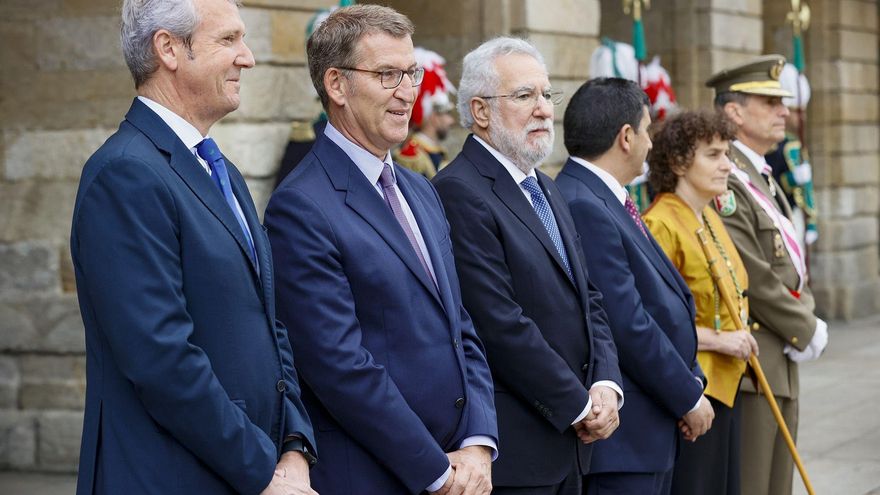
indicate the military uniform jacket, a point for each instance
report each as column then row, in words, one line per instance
column 778, row 316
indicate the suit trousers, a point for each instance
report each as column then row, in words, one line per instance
column 712, row 463
column 570, row 485
column 767, row 465
column 628, row 483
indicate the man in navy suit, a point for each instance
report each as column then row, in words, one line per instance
column 524, row 281
column 393, row 373
column 650, row 309
column 191, row 385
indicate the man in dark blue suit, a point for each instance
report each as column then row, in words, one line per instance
column 393, row 373
column 191, row 385
column 650, row 309
column 524, row 281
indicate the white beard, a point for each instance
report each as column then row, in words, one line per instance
column 515, row 146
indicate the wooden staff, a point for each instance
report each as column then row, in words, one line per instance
column 717, row 275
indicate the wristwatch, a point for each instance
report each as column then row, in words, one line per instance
column 295, row 443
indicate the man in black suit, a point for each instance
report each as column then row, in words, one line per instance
column 649, row 306
column 523, row 277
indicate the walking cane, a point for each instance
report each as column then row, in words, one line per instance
column 717, row 275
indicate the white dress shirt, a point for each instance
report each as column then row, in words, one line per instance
column 372, row 167
column 519, row 176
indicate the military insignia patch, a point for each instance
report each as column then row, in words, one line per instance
column 725, row 203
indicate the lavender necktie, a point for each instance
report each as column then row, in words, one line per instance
column 387, row 181
column 634, row 214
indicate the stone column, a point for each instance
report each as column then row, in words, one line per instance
column 844, row 142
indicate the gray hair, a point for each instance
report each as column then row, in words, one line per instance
column 141, row 19
column 478, row 74
column 334, row 43
column 722, row 99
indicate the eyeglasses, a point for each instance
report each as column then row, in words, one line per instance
column 530, row 98
column 391, row 78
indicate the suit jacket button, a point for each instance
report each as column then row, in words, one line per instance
column 755, row 326
column 459, row 403
column 281, row 386
column 455, row 343
column 794, row 340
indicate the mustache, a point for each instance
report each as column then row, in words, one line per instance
column 542, row 125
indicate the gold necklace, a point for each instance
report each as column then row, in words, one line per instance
column 731, row 271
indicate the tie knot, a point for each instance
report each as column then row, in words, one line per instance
column 530, row 184
column 208, row 150
column 386, row 178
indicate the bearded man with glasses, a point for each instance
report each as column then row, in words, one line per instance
column 392, row 370
column 524, row 279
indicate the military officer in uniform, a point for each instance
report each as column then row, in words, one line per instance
column 758, row 219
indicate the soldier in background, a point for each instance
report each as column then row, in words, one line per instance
column 790, row 161
column 431, row 119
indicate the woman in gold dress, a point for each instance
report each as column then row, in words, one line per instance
column 689, row 168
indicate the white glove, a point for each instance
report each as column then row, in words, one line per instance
column 814, row 348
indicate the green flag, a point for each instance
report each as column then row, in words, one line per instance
column 639, row 40
column 798, row 59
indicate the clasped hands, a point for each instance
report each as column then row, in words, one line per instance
column 291, row 476
column 602, row 419
column 471, row 472
column 698, row 421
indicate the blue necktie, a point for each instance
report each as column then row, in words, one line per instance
column 208, row 150
column 539, row 203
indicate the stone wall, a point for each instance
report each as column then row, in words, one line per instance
column 844, row 141
column 64, row 90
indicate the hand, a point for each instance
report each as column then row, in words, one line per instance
column 739, row 343
column 291, row 476
column 697, row 422
column 602, row 419
column 471, row 472
column 814, row 348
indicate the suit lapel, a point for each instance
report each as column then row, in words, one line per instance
column 184, row 163
column 261, row 245
column 363, row 198
column 646, row 245
column 510, row 193
column 431, row 243
column 566, row 232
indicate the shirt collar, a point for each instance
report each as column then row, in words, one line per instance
column 514, row 171
column 183, row 129
column 618, row 190
column 758, row 160
column 365, row 161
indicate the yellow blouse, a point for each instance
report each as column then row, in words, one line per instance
column 674, row 225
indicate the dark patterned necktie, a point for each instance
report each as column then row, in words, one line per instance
column 634, row 214
column 539, row 203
